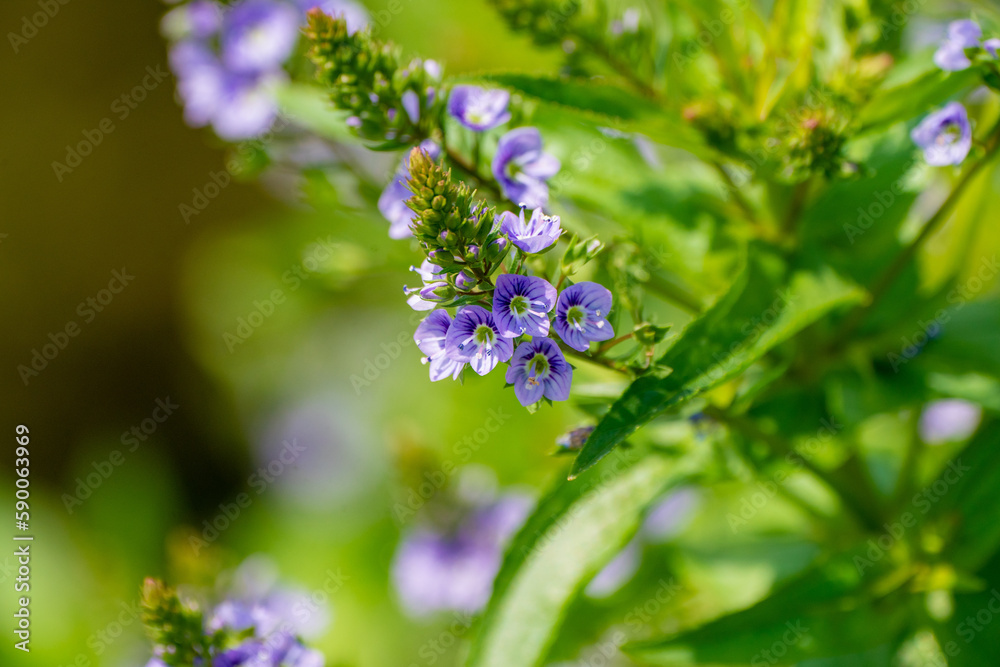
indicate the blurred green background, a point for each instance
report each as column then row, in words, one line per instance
column 331, row 366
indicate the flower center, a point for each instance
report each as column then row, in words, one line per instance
column 949, row 135
column 576, row 317
column 537, row 368
column 519, row 305
column 484, row 335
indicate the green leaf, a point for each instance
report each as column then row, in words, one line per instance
column 904, row 102
column 761, row 310
column 609, row 105
column 964, row 496
column 578, row 528
column 824, row 613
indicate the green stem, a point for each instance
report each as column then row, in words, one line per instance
column 611, row 343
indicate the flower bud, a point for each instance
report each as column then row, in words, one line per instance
column 437, row 291
column 465, row 281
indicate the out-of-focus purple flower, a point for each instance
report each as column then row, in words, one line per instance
column 539, row 370
column 521, row 305
column 392, row 202
column 522, row 168
column 355, row 15
column 949, row 420
column 198, row 19
column 411, row 104
column 617, row 572
column 535, row 235
column 945, row 136
column 962, row 35
column 670, row 514
column 437, row 570
column 473, row 338
column 992, row 46
column 258, row 35
column 430, row 338
column 477, row 108
column 581, row 315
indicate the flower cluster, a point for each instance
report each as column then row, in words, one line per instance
column 388, row 101
column 506, row 319
column 945, row 136
column 229, row 58
column 257, row 624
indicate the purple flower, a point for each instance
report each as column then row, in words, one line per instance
column 949, row 420
column 199, row 19
column 538, row 370
column 438, row 570
column 962, row 35
column 540, row 232
column 477, row 108
column 992, row 46
column 258, row 35
column 521, row 168
column 429, row 273
column 670, row 515
column 474, row 338
column 392, row 202
column 581, row 315
column 521, row 305
column 945, row 136
column 430, row 337
column 465, row 281
column 411, row 104
column 617, row 572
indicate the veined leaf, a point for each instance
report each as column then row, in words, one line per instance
column 574, row 532
column 762, row 309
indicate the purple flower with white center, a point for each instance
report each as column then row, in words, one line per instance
column 539, row 370
column 949, row 420
column 581, row 315
column 539, row 233
column 522, row 168
column 430, row 338
column 392, row 202
column 258, row 35
column 945, row 136
column 521, row 305
column 962, row 35
column 477, row 108
column 441, row 570
column 473, row 338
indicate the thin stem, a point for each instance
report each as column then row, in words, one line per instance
column 607, row 363
column 473, row 172
column 881, row 286
column 611, row 343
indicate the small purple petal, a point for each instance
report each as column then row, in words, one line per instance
column 474, row 339
column 581, row 315
column 945, row 136
column 477, row 108
column 521, row 168
column 949, row 420
column 539, row 369
column 521, row 305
